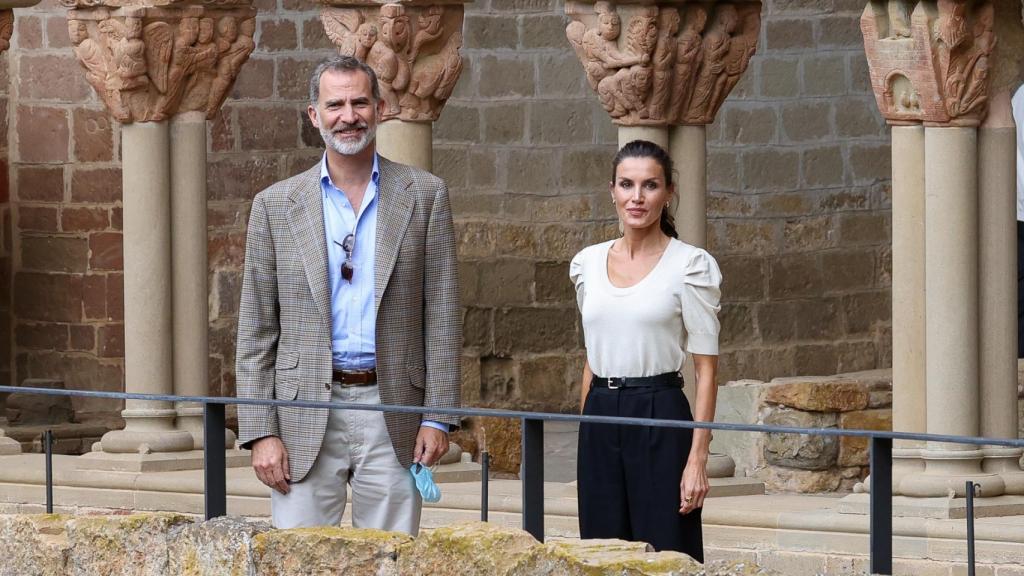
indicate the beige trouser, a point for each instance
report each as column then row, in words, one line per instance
column 356, row 451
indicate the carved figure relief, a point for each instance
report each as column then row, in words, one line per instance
column 149, row 64
column 413, row 49
column 6, row 28
column 671, row 67
column 938, row 71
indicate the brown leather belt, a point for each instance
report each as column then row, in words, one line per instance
column 355, row 378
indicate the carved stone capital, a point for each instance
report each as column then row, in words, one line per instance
column 412, row 46
column 6, row 29
column 675, row 63
column 931, row 62
column 148, row 64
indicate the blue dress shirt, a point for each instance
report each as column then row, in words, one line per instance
column 353, row 319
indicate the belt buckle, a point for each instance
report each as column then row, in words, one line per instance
column 611, row 383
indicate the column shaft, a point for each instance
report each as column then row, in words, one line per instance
column 409, row 143
column 908, row 295
column 689, row 156
column 147, row 293
column 951, row 300
column 997, row 280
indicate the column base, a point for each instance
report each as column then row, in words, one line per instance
column 946, row 474
column 937, row 508
column 1006, row 463
column 190, row 420
column 905, row 462
column 721, row 466
column 157, row 462
column 147, row 431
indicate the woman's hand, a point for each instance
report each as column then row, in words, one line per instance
column 694, row 486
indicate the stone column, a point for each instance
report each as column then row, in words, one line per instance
column 931, row 63
column 662, row 70
column 202, row 48
column 413, row 46
column 8, row 446
column 908, row 295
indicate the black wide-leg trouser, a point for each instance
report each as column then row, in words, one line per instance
column 629, row 476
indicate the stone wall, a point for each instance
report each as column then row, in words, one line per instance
column 805, row 464
column 174, row 545
column 5, row 239
column 798, row 169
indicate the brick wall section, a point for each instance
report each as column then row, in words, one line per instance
column 5, row 239
column 798, row 164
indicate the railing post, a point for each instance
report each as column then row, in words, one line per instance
column 214, row 474
column 881, row 505
column 971, row 487
column 48, row 450
column 485, row 471
column 531, row 473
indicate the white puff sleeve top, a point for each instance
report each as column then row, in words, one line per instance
column 647, row 329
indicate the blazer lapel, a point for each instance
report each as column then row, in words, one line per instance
column 306, row 222
column 394, row 209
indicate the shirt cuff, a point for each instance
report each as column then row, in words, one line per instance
column 439, row 425
column 705, row 344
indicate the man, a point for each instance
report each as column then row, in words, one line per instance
column 349, row 294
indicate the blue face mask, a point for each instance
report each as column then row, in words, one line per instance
column 425, row 483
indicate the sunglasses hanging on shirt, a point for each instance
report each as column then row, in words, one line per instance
column 347, row 269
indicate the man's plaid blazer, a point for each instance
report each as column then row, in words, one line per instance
column 284, row 321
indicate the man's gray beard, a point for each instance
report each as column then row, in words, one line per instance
column 347, row 148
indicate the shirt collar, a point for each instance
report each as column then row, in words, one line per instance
column 325, row 176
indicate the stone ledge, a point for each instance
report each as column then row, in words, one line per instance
column 172, row 544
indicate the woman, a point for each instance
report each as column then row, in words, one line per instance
column 646, row 300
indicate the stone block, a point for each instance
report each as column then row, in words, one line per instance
column 859, row 117
column 106, row 251
column 505, row 281
column 251, row 83
column 723, row 169
column 43, row 134
column 780, row 77
column 561, row 75
column 83, row 338
column 94, row 296
column 794, row 275
column 824, row 75
column 791, row 480
column 57, row 32
column 870, row 163
column 84, row 219
column 503, row 123
column 54, row 253
column 807, row 121
column 766, row 170
column 823, row 166
column 801, row 6
column 276, row 35
column 132, row 544
column 544, row 209
column 40, row 183
column 30, row 32
column 748, row 236
column 802, row 452
column 217, row 547
column 313, row 35
column 35, row 409
column 520, row 6
column 808, row 234
column 459, row 124
column 543, row 382
column 818, row 394
column 327, row 551
column 93, row 135
column 38, row 219
column 542, row 31
column 502, row 437
column 552, row 284
column 48, row 297
column 483, row 166
column 56, row 77
column 34, row 544
column 749, row 124
column 506, row 76
column 110, row 341
column 470, row 549
column 99, row 185
column 738, row 328
column 743, row 277
column 490, row 32
column 533, row 171
column 293, row 80
column 587, row 168
column 853, row 451
column 41, row 336
column 269, row 128
column 864, row 228
column 860, row 77
column 848, row 270
column 607, row 557
column 839, row 31
column 79, row 372
column 865, row 311
column 451, row 165
column 115, row 296
column 559, row 123
column 789, row 34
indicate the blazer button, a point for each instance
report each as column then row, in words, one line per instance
column 327, row 385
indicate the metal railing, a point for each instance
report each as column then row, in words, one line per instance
column 532, row 466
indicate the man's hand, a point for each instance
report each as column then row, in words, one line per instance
column 431, row 444
column 270, row 461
